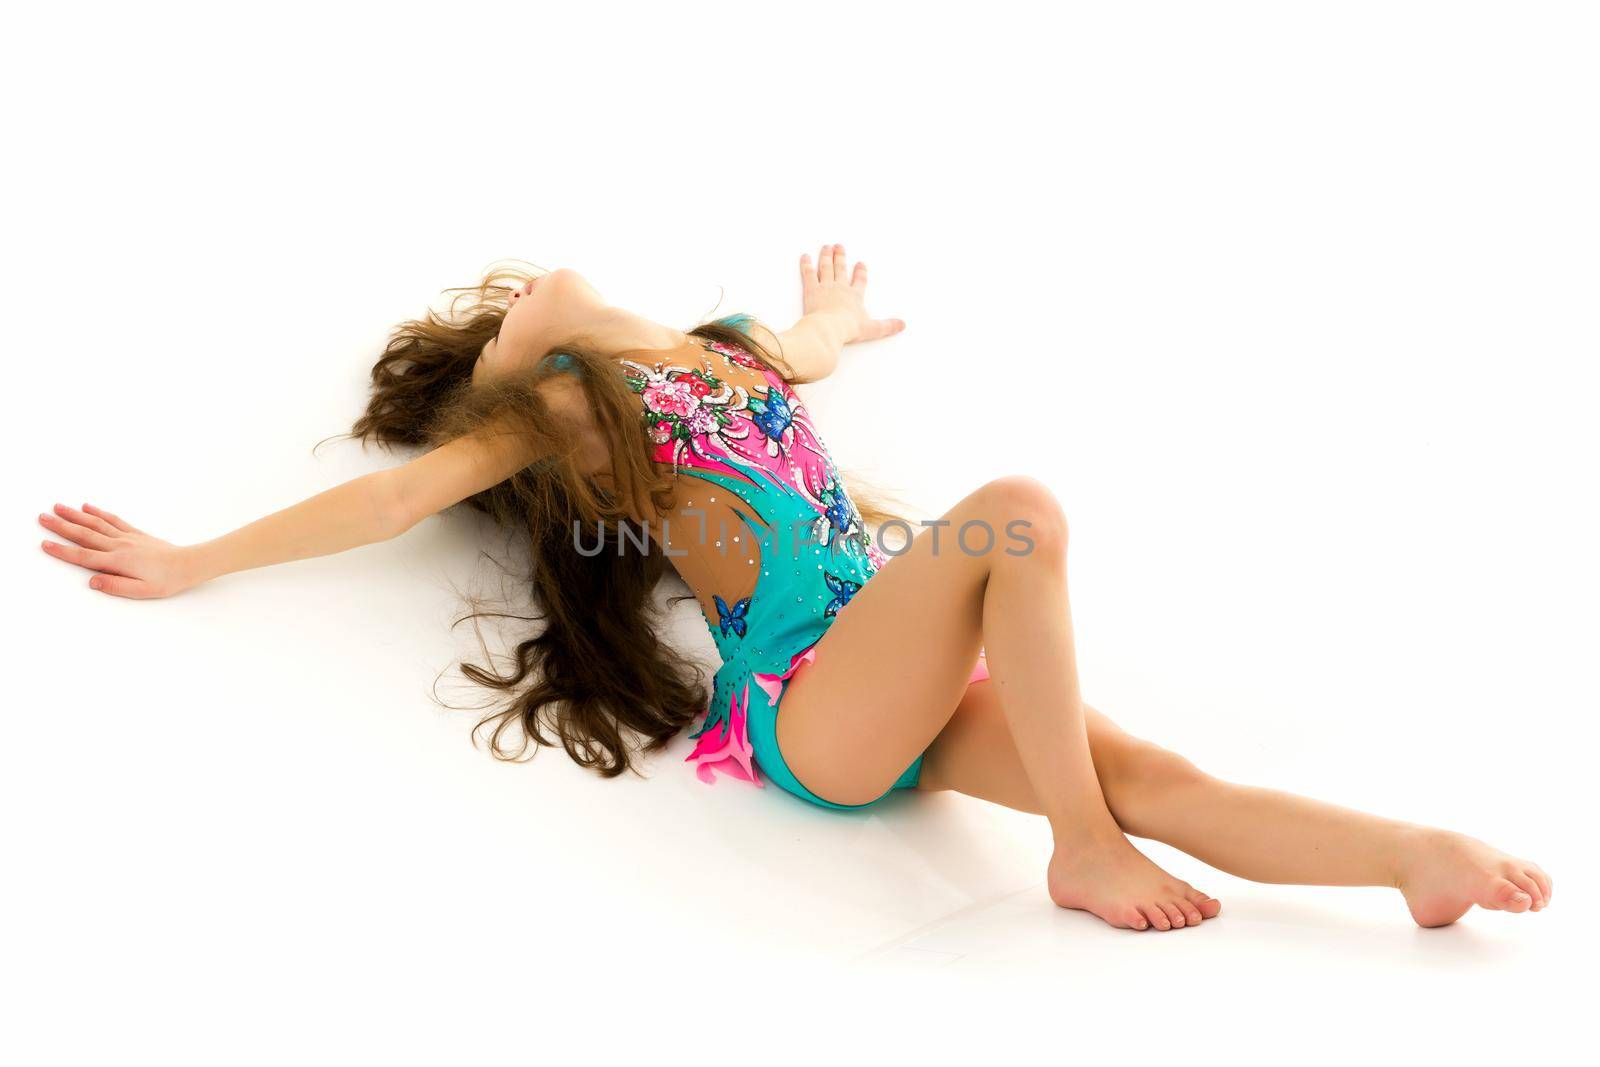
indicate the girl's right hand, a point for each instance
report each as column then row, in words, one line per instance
column 128, row 562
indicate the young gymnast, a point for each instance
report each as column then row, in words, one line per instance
column 621, row 447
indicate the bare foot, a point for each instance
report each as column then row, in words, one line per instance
column 1112, row 879
column 1446, row 873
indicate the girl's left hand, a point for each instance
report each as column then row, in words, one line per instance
column 830, row 286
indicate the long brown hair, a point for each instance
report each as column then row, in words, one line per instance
column 596, row 677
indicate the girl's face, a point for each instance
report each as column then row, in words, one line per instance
column 545, row 312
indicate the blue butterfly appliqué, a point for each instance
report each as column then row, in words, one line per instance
column 843, row 589
column 839, row 515
column 732, row 618
column 771, row 415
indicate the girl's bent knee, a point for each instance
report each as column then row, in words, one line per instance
column 1154, row 767
column 1027, row 518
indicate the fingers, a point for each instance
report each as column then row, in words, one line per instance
column 858, row 277
column 112, row 519
column 116, row 585
column 72, row 531
column 878, row 328
column 83, row 557
column 831, row 267
column 83, row 518
column 808, row 273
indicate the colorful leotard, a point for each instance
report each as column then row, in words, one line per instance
column 764, row 533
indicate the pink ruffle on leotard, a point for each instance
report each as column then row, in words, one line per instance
column 772, row 684
column 728, row 746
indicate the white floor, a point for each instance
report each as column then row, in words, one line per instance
column 1295, row 312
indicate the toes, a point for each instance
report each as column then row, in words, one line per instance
column 1542, row 880
column 1504, row 895
column 1135, row 920
column 1157, row 917
column 1208, row 906
column 1526, row 883
column 1191, row 913
column 1174, row 914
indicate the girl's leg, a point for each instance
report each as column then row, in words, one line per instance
column 893, row 667
column 1260, row 834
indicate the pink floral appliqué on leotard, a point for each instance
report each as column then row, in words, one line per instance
column 697, row 420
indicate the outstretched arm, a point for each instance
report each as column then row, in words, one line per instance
column 129, row 562
column 374, row 507
column 359, row 512
column 834, row 314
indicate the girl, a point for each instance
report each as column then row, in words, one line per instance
column 620, row 446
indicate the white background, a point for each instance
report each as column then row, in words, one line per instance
column 1292, row 305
